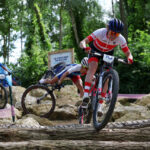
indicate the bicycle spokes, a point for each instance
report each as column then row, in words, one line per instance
column 38, row 101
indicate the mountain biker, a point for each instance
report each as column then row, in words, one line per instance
column 72, row 71
column 103, row 40
column 5, row 70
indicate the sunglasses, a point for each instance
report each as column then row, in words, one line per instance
column 112, row 33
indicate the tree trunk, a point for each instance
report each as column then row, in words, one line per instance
column 4, row 48
column 8, row 46
column 124, row 18
column 75, row 145
column 60, row 26
column 76, row 137
column 113, row 11
column 21, row 29
column 73, row 22
column 42, row 31
column 74, row 133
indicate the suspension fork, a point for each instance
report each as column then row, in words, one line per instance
column 100, row 83
column 110, row 87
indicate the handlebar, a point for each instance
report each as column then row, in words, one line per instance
column 124, row 61
column 55, row 86
column 9, row 73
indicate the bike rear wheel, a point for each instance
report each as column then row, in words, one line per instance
column 100, row 120
column 3, row 97
column 85, row 116
column 38, row 100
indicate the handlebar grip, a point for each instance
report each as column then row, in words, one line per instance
column 124, row 61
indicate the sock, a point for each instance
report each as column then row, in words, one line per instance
column 102, row 95
column 87, row 89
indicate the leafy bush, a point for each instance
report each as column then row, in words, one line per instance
column 136, row 77
column 30, row 69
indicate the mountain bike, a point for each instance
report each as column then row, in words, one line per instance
column 4, row 95
column 108, row 77
column 39, row 99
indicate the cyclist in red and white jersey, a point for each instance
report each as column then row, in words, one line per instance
column 103, row 40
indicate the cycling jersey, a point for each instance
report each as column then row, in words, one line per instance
column 74, row 72
column 102, row 43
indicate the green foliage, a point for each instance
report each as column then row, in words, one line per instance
column 41, row 28
column 135, row 78
column 137, row 14
column 30, row 69
column 39, row 24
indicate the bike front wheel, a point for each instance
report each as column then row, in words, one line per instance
column 101, row 116
column 38, row 100
column 3, row 97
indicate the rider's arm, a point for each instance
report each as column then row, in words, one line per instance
column 1, row 65
column 90, row 38
column 126, row 50
column 84, row 42
column 87, row 40
column 128, row 54
column 129, row 57
column 79, row 85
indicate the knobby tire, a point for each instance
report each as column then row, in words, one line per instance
column 115, row 88
column 38, row 87
column 3, row 97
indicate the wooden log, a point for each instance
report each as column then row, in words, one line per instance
column 74, row 133
column 74, row 145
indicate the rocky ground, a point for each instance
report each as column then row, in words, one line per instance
column 66, row 112
column 128, row 128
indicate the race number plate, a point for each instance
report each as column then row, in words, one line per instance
column 108, row 58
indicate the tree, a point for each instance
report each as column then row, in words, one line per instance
column 7, row 25
column 123, row 14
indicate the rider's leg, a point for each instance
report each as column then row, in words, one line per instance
column 102, row 97
column 90, row 73
column 53, row 80
column 104, row 90
column 79, row 85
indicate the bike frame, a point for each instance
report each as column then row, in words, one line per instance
column 99, row 79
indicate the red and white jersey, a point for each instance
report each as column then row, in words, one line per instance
column 104, row 44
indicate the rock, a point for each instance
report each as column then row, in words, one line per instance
column 6, row 115
column 41, row 120
column 132, row 112
column 64, row 113
column 28, row 122
column 67, row 95
column 144, row 101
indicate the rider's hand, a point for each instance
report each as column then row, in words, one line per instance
column 130, row 59
column 9, row 73
column 87, row 49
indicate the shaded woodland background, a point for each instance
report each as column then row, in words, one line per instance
column 49, row 25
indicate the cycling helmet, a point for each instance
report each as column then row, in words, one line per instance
column 84, row 62
column 115, row 25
